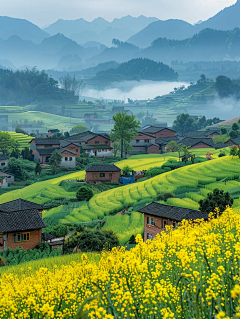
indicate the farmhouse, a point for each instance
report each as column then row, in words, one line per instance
column 3, row 161
column 142, row 142
column 103, row 173
column 5, row 178
column 158, row 216
column 93, row 144
column 163, row 141
column 159, row 131
column 198, row 142
column 21, row 224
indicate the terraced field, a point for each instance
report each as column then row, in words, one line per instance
column 22, row 139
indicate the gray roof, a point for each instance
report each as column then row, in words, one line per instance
column 20, row 204
column 82, row 137
column 146, row 134
column 221, row 145
column 172, row 212
column 196, row 134
column 54, row 131
column 166, row 140
column 95, row 147
column 61, row 150
column 46, row 141
column 64, row 143
column 103, row 168
column 236, row 141
column 188, row 141
column 3, row 157
column 155, row 129
column 20, row 221
column 47, row 150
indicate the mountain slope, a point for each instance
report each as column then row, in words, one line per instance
column 170, row 29
column 21, row 28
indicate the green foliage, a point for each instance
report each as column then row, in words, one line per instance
column 7, row 143
column 125, row 129
column 165, row 196
column 233, row 134
column 55, row 161
column 27, row 154
column 172, row 146
column 154, row 171
column 224, row 86
column 79, row 129
column 38, row 169
column 126, row 170
column 235, row 127
column 92, row 240
column 15, row 167
column 84, row 193
column 216, row 199
column 223, row 130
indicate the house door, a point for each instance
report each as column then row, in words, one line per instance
column 110, row 175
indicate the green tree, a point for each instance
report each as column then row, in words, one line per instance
column 184, row 123
column 125, row 129
column 27, row 154
column 7, row 143
column 126, row 170
column 233, row 134
column 79, row 129
column 84, row 193
column 172, row 146
column 235, row 127
column 116, row 147
column 55, row 161
column 20, row 130
column 15, row 167
column 224, row 86
column 38, row 169
column 223, row 130
column 216, row 199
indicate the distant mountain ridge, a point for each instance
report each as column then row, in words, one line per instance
column 99, row 29
column 21, row 28
column 227, row 19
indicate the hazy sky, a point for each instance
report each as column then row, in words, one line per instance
column 44, row 12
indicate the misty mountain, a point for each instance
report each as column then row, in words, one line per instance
column 21, row 28
column 227, row 19
column 170, row 29
column 99, row 29
column 207, row 45
column 100, row 67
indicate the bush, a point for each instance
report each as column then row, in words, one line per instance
column 84, row 193
column 154, row 171
column 165, row 196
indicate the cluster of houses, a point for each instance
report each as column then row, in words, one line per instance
column 21, row 223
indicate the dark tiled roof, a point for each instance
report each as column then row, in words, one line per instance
column 66, row 150
column 172, row 212
column 103, row 168
column 20, row 221
column 54, row 131
column 188, row 141
column 82, row 137
column 46, row 141
column 154, row 129
column 95, row 147
column 20, row 204
column 236, row 141
column 166, row 140
column 3, row 157
column 47, row 150
column 221, row 145
column 196, row 134
column 46, row 236
column 65, row 143
column 146, row 134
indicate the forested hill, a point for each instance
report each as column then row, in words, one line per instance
column 139, row 69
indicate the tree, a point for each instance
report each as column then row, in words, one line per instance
column 38, row 169
column 20, row 130
column 84, row 193
column 27, row 154
column 223, row 130
column 7, row 143
column 125, row 129
column 233, row 150
column 184, row 123
column 55, row 161
column 15, row 167
column 79, row 129
column 172, row 146
column 71, row 86
column 126, row 170
column 233, row 134
column 116, row 147
column 216, row 199
column 235, row 127
column 224, row 86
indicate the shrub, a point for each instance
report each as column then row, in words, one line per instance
column 154, row 171
column 216, row 199
column 84, row 193
column 165, row 196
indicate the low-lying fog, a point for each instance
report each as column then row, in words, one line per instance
column 134, row 90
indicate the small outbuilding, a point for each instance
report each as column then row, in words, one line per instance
column 157, row 216
column 103, row 173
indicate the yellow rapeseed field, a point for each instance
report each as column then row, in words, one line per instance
column 190, row 272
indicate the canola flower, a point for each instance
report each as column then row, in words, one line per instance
column 190, row 272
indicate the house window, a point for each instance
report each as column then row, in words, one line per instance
column 106, row 150
column 137, row 141
column 102, row 174
column 25, row 236
column 3, row 164
column 149, row 236
column 96, row 142
column 17, row 237
column 146, row 141
column 66, row 159
column 76, row 150
column 106, row 142
column 150, row 221
column 47, row 159
column 165, row 223
column 70, row 158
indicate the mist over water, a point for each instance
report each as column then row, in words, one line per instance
column 134, row 90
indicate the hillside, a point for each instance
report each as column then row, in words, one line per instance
column 21, row 28
column 227, row 19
